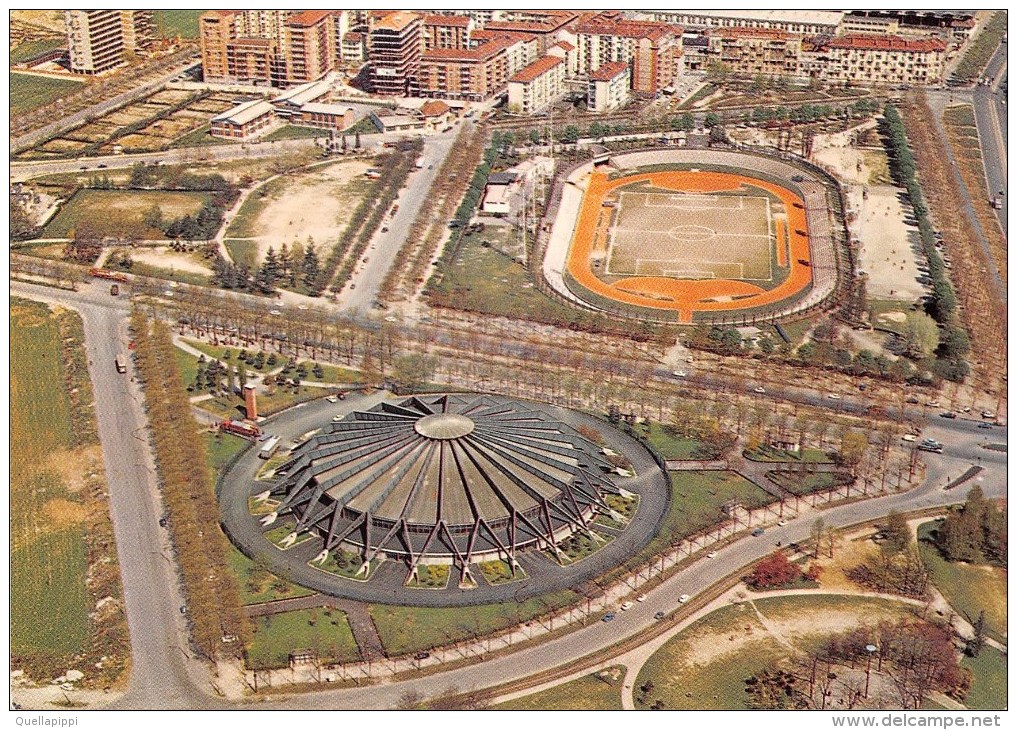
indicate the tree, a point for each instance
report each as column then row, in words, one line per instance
column 897, row 533
column 852, row 448
column 22, row 224
column 718, row 71
column 711, row 120
column 535, row 136
column 921, row 335
column 413, row 370
column 570, row 135
column 977, row 641
column 684, row 122
column 312, row 268
column 816, row 532
column 774, row 571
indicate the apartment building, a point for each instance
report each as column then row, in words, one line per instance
column 393, row 51
column 547, row 26
column 568, row 53
column 468, row 74
column 446, row 31
column 884, row 60
column 310, row 51
column 653, row 50
column 353, row 48
column 537, row 86
column 138, row 29
column 254, row 61
column 95, row 40
column 802, row 22
column 608, row 87
column 752, row 51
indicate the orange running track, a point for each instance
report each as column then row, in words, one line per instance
column 688, row 296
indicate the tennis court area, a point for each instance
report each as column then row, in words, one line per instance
column 692, row 235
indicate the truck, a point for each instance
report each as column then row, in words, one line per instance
column 997, row 202
column 121, row 366
column 268, row 450
column 239, row 428
column 107, row 274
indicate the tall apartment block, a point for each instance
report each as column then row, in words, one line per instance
column 393, row 51
column 138, row 28
column 95, row 39
column 310, row 48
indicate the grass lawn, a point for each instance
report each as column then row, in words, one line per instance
column 200, row 137
column 109, row 210
column 706, row 665
column 29, row 92
column 28, row 50
column 988, row 682
column 174, row 23
column 672, row 446
column 257, row 584
column 968, row 588
column 769, row 454
column 161, row 272
column 878, row 307
column 802, row 484
column 599, row 691
column 50, row 605
column 221, row 447
column 405, row 629
column 243, row 252
column 323, row 630
column 244, row 223
column 292, row 131
column 333, row 374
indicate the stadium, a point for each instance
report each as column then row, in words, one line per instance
column 688, row 236
column 454, row 480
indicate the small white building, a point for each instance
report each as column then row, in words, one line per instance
column 608, row 87
column 245, row 121
column 496, row 194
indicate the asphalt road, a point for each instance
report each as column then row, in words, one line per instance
column 362, row 290
column 164, row 677
column 990, row 117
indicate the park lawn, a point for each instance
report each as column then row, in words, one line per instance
column 161, row 272
column 333, row 374
column 30, row 92
column 177, row 23
column 674, row 447
column 599, row 691
column 292, row 131
column 970, row 589
column 28, row 50
column 221, row 448
column 243, row 251
column 879, row 307
column 244, row 223
column 769, row 454
column 110, row 211
column 712, row 658
column 48, row 561
column 323, row 630
column 258, row 585
column 802, row 484
column 188, row 365
column 699, row 496
column 199, row 138
column 988, row 681
column 406, row 629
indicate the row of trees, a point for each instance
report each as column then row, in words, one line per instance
column 218, row 625
column 954, row 344
column 975, row 532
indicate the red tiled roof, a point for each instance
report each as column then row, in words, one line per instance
column 600, row 25
column 608, row 71
column 460, row 21
column 434, row 108
column 221, row 14
column 480, row 53
column 564, row 45
column 395, row 20
column 308, row 18
column 888, row 43
column 535, row 69
column 743, row 32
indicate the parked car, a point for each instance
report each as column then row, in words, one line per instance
column 659, row 616
column 758, row 531
column 684, row 598
column 627, row 605
column 983, row 424
column 422, row 655
column 712, row 554
column 641, row 597
column 947, row 414
column 609, row 616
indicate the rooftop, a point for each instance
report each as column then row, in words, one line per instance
column 307, row 18
column 607, row 25
column 244, row 113
column 434, row 108
column 810, row 17
column 743, row 32
column 480, row 53
column 888, row 43
column 397, row 20
column 608, row 71
column 459, row 21
column 536, row 69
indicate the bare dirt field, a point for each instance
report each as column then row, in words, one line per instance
column 164, row 258
column 313, row 205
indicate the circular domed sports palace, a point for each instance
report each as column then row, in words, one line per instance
column 451, row 479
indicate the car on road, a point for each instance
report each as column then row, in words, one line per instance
column 680, row 374
column 759, row 389
column 659, row 616
column 988, row 414
column 758, row 531
column 274, row 312
column 641, row 597
column 422, row 655
column 183, row 610
column 947, row 414
column 983, row 424
column 627, row 605
column 909, row 437
column 684, row 598
column 163, row 522
column 609, row 616
column 833, row 396
column 781, row 523
column 933, row 404
column 336, row 419
column 712, row 554
column 332, row 399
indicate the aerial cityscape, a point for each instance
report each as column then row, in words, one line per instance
column 508, row 360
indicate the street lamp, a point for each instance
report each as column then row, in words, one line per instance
column 871, row 649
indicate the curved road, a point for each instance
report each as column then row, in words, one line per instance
column 163, row 677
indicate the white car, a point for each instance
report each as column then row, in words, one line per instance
column 988, row 414
column 336, row 419
column 680, row 374
column 684, row 598
column 909, row 437
column 833, row 396
column 933, row 404
column 759, row 389
column 332, row 399
column 781, row 523
column 275, row 312
column 627, row 605
column 712, row 554
column 641, row 597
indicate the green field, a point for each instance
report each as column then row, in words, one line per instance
column 50, row 605
column 599, row 691
column 674, row 447
column 29, row 92
column 738, row 645
column 404, row 629
column 802, row 484
column 770, row 454
column 293, row 131
column 30, row 49
column 257, row 585
column 968, row 588
column 699, row 496
column 221, row 448
column 988, row 681
column 325, row 631
column 177, row 23
column 111, row 212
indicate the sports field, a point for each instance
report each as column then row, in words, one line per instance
column 690, row 241
column 691, row 236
